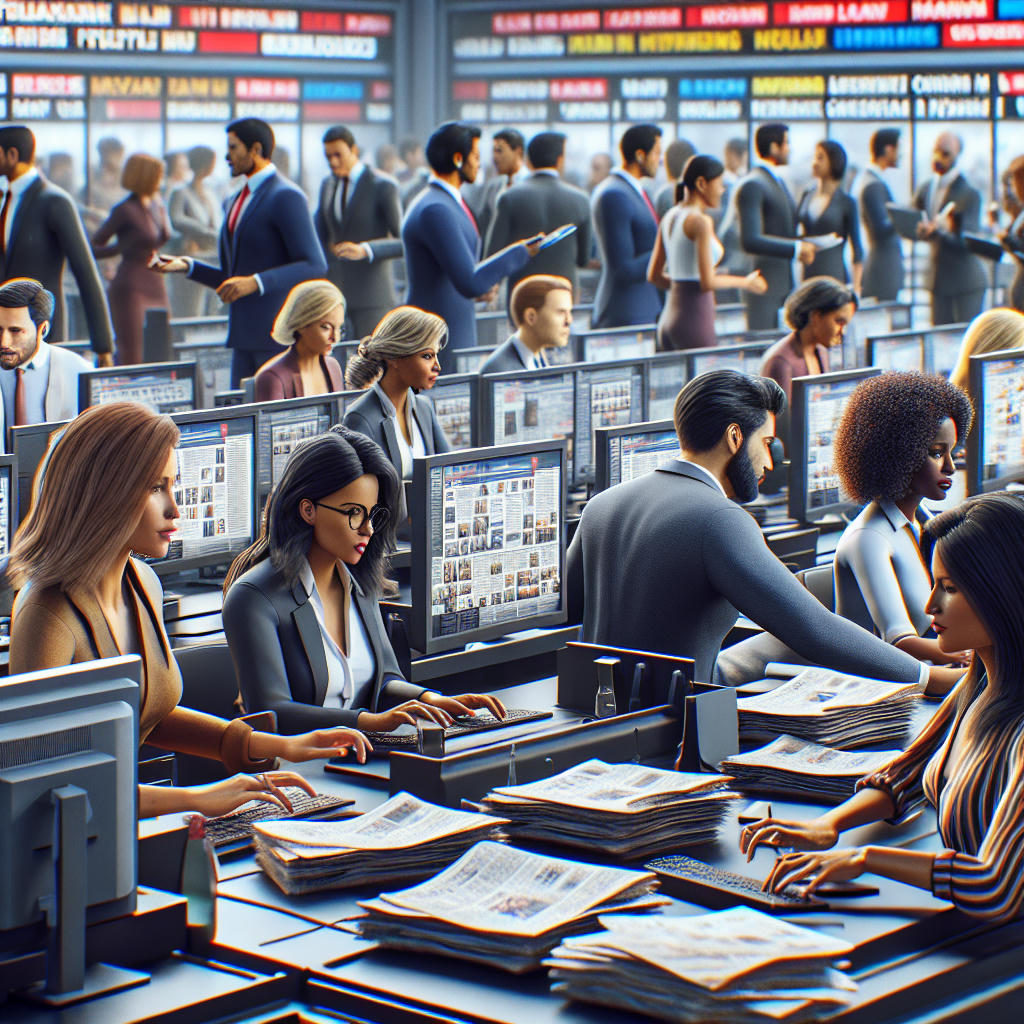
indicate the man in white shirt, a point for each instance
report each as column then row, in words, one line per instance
column 541, row 308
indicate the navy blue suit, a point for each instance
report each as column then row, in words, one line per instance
column 274, row 238
column 626, row 232
column 442, row 250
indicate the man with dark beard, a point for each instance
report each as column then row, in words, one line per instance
column 666, row 562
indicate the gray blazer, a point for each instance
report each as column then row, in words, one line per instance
column 504, row 359
column 279, row 655
column 665, row 562
column 883, row 268
column 543, row 202
column 951, row 267
column 46, row 235
column 196, row 221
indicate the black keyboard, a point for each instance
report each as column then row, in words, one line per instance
column 237, row 826
column 711, row 887
column 480, row 722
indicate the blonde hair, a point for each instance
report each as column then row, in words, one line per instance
column 141, row 174
column 402, row 332
column 89, row 494
column 307, row 302
column 995, row 330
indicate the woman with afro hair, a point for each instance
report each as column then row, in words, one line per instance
column 892, row 450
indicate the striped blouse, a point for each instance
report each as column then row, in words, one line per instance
column 980, row 807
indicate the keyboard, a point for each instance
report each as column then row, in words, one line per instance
column 480, row 722
column 237, row 826
column 711, row 887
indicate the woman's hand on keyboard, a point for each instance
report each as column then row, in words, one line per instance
column 795, row 835
column 223, row 797
column 430, row 707
column 809, row 870
column 464, row 704
column 309, row 746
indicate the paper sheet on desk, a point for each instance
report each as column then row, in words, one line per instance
column 817, row 691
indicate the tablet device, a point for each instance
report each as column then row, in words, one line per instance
column 985, row 246
column 905, row 219
column 557, row 235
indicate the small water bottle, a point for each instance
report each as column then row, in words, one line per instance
column 604, row 698
column 199, row 884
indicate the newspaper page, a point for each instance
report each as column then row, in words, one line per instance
column 818, row 691
column 802, row 757
column 496, row 888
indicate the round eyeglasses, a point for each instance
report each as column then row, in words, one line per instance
column 360, row 515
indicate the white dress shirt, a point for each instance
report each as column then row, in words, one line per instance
column 17, row 189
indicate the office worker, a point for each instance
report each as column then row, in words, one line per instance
column 195, row 218
column 677, row 154
column 955, row 276
column 883, row 266
column 139, row 225
column 626, row 227
column 667, row 561
column 442, row 242
column 967, row 762
column 107, row 492
column 508, row 153
column 41, row 234
column 1012, row 237
column 267, row 245
column 541, row 307
column 685, row 258
column 310, row 324
column 767, row 226
column 358, row 221
column 301, row 610
column 537, row 204
column 995, row 330
column 38, row 381
column 403, row 352
column 825, row 208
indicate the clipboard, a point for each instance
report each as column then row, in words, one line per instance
column 558, row 235
column 905, row 219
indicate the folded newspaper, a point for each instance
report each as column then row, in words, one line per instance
column 622, row 809
column 736, row 965
column 830, row 708
column 403, row 838
column 799, row 767
column 505, row 907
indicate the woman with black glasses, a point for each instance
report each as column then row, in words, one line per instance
column 301, row 611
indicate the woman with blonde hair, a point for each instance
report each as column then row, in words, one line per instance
column 995, row 330
column 105, row 495
column 310, row 324
column 140, row 226
column 401, row 357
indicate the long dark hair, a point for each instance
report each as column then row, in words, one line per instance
column 316, row 468
column 981, row 543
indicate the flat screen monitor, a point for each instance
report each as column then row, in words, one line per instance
column 215, row 488
column 730, row 318
column 162, row 387
column 8, row 502
column 455, row 398
column 30, row 443
column 490, row 524
column 818, row 403
column 624, row 453
column 617, row 343
column 874, row 318
column 607, row 395
column 199, row 330
column 995, row 447
column 745, row 357
column 213, row 368
column 280, row 426
column 493, row 329
column 942, row 347
column 667, row 372
column 469, row 360
column 898, row 350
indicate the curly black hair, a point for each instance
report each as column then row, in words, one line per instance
column 886, row 428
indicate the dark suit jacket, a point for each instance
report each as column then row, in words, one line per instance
column 274, row 238
column 441, row 252
column 279, row 655
column 664, row 563
column 504, row 359
column 838, row 217
column 46, row 234
column 626, row 232
column 373, row 215
column 543, row 202
column 952, row 269
column 767, row 221
column 883, row 268
column 280, row 377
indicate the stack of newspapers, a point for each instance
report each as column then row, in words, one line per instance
column 736, row 965
column 403, row 838
column 626, row 810
column 505, row 907
column 830, row 708
column 799, row 767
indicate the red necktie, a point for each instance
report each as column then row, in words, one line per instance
column 469, row 214
column 3, row 222
column 20, row 412
column 647, row 200
column 236, row 210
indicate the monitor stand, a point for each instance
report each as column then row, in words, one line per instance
column 68, row 979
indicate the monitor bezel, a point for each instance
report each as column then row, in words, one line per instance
column 975, row 465
column 86, row 377
column 604, row 435
column 907, row 332
column 473, row 380
column 760, row 345
column 607, row 332
column 420, row 619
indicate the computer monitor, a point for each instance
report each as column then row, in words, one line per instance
column 607, row 395
column 493, row 329
column 730, row 318
column 30, row 443
column 215, row 488
column 745, row 357
column 69, row 740
column 213, row 368
column 455, row 397
column 280, row 426
column 469, row 360
column 874, row 318
column 942, row 347
column 616, row 343
column 489, row 543
column 667, row 372
column 897, row 350
column 624, row 453
column 995, row 447
column 162, row 387
column 199, row 330
column 581, row 317
column 818, row 403
column 8, row 502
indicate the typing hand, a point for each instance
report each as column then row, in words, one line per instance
column 224, row 796
column 756, row 283
column 349, row 251
column 805, row 253
column 404, row 714
column 465, row 703
column 167, row 264
column 811, row 869
column 235, row 288
column 797, row 835
column 309, row 746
